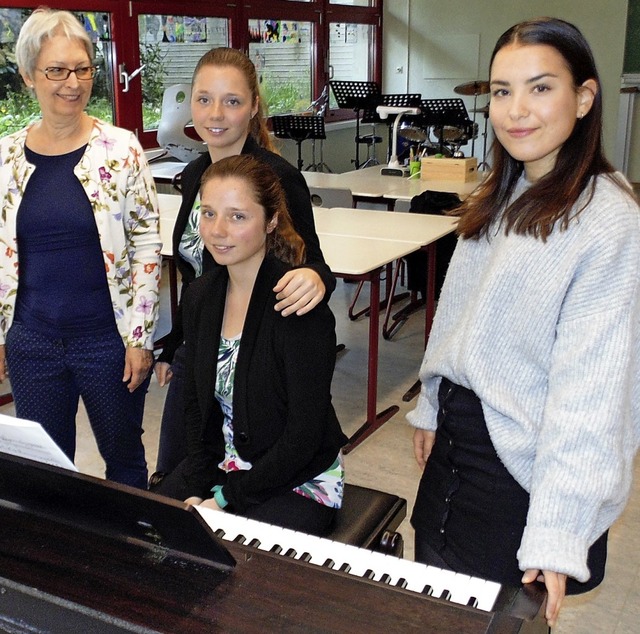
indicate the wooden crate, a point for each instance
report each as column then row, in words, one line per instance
column 449, row 169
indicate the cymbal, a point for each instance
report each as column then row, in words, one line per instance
column 484, row 109
column 473, row 88
column 412, row 133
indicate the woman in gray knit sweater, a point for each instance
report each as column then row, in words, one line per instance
column 528, row 421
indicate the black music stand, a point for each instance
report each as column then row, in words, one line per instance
column 444, row 112
column 299, row 128
column 370, row 115
column 357, row 95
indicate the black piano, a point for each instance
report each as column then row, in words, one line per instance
column 83, row 555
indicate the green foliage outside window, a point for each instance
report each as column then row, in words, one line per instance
column 153, row 58
column 285, row 97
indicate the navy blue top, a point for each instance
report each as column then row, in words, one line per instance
column 62, row 290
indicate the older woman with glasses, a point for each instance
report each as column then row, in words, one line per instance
column 79, row 216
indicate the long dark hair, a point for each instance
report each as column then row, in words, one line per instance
column 284, row 242
column 223, row 56
column 552, row 197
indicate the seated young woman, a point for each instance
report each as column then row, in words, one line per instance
column 262, row 435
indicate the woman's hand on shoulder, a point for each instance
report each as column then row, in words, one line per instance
column 299, row 291
column 137, row 363
column 422, row 444
column 163, row 373
column 556, row 584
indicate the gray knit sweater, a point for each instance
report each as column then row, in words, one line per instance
column 547, row 334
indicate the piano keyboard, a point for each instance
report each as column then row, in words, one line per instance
column 360, row 562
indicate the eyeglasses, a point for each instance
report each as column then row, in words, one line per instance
column 55, row 73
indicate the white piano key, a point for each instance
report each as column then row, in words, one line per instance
column 486, row 592
column 360, row 562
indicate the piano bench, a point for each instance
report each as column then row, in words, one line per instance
column 369, row 519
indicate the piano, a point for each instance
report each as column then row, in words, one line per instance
column 79, row 554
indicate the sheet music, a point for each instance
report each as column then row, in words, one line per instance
column 27, row 439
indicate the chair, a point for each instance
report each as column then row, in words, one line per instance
column 429, row 202
column 369, row 519
column 175, row 115
column 331, row 197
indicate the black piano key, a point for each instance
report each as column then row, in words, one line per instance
column 427, row 590
column 220, row 533
column 240, row 539
column 254, row 543
column 402, row 583
column 369, row 574
column 472, row 602
column 345, row 567
column 446, row 595
column 276, row 549
column 385, row 578
column 305, row 557
column 291, row 552
column 329, row 563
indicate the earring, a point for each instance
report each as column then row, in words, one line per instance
column 580, row 115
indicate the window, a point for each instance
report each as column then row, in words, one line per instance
column 281, row 52
column 144, row 46
column 347, row 43
column 170, row 47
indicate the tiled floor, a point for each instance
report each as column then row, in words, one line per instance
column 385, row 461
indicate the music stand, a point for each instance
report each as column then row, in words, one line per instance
column 444, row 112
column 299, row 128
column 357, row 95
column 401, row 100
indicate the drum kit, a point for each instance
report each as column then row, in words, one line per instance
column 447, row 139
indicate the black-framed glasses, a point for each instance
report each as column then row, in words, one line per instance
column 55, row 73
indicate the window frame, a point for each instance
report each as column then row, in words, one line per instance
column 124, row 42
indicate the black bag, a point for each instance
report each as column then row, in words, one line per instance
column 430, row 202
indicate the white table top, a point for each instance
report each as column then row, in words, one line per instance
column 166, row 170
column 369, row 183
column 357, row 255
column 419, row 229
column 410, row 187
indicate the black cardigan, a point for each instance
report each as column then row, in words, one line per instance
column 298, row 203
column 283, row 419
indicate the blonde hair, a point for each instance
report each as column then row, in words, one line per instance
column 41, row 25
column 284, row 242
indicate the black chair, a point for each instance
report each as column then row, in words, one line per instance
column 437, row 203
column 369, row 519
column 429, row 202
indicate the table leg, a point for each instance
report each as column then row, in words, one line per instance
column 429, row 313
column 374, row 421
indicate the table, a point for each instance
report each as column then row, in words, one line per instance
column 166, row 171
column 360, row 243
column 368, row 185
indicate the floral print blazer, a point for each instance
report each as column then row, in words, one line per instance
column 117, row 180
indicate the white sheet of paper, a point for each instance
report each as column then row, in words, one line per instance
column 27, row 439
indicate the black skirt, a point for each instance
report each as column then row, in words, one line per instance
column 469, row 512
